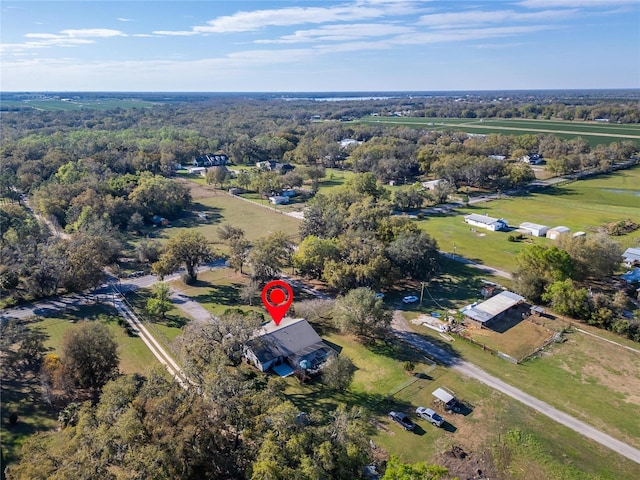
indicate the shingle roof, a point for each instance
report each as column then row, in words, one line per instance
column 294, row 336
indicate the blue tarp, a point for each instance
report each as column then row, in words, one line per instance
column 633, row 276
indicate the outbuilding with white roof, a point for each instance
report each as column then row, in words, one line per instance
column 496, row 307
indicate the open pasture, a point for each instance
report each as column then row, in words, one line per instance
column 220, row 208
column 586, row 376
column 381, row 384
column 583, row 205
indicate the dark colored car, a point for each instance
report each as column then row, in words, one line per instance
column 403, row 419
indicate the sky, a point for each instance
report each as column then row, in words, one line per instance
column 319, row 46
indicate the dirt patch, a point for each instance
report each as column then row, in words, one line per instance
column 200, row 191
column 381, row 426
column 468, row 465
column 520, row 340
column 620, row 228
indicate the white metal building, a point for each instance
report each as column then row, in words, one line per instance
column 485, row 221
column 534, row 229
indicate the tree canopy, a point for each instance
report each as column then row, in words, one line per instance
column 90, row 355
column 189, row 249
column 361, row 313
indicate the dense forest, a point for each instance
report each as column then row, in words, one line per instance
column 99, row 175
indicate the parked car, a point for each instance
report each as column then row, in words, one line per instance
column 403, row 419
column 430, row 416
column 410, row 299
column 380, row 295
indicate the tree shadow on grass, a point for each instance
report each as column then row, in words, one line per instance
column 22, row 395
column 221, row 295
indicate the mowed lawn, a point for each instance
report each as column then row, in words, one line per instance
column 134, row 355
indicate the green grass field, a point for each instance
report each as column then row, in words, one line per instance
column 593, row 133
column 587, row 377
column 221, row 208
column 135, row 357
column 583, row 205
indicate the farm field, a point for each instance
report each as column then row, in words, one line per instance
column 56, row 105
column 593, row 133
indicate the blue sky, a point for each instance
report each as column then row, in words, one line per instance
column 297, row 46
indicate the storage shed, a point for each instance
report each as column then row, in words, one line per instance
column 556, row 232
column 534, row 229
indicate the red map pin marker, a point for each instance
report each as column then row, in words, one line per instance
column 276, row 298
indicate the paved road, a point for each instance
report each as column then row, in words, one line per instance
column 401, row 330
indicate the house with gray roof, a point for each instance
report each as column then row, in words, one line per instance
column 289, row 346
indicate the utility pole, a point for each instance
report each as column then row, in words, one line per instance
column 421, row 292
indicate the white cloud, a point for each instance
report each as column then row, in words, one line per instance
column 175, row 33
column 122, row 19
column 342, row 32
column 93, row 33
column 461, row 35
column 246, row 21
column 574, row 3
column 457, row 19
column 65, row 38
column 45, row 43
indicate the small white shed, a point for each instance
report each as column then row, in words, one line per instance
column 556, row 232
